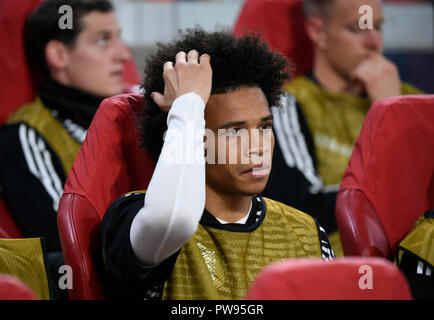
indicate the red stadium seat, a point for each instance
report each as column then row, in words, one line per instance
column 109, row 164
column 281, row 23
column 389, row 181
column 12, row 288
column 339, row 279
column 15, row 80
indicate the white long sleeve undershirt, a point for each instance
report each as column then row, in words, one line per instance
column 175, row 198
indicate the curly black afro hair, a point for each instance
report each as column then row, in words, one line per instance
column 246, row 61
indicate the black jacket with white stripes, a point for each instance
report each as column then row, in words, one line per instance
column 32, row 174
column 294, row 178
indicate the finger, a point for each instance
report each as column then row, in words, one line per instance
column 168, row 70
column 378, row 57
column 181, row 57
column 364, row 67
column 361, row 74
column 204, row 58
column 193, row 56
column 167, row 65
column 372, row 55
column 158, row 98
column 355, row 75
column 366, row 63
column 374, row 62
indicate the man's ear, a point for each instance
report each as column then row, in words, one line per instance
column 56, row 55
column 316, row 32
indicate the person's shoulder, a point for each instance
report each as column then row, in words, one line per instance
column 407, row 88
column 127, row 200
column 27, row 111
column 8, row 131
column 304, row 226
column 11, row 134
column 302, row 78
column 292, row 214
column 281, row 207
column 127, row 205
column 302, row 86
column 299, row 81
column 36, row 119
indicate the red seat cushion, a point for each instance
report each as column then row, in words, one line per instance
column 12, row 288
column 339, row 279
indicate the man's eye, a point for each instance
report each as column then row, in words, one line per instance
column 266, row 126
column 354, row 28
column 103, row 40
column 232, row 131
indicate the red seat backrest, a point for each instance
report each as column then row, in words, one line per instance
column 12, row 288
column 109, row 164
column 389, row 181
column 281, row 23
column 340, row 279
column 15, row 81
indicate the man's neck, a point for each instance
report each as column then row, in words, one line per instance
column 333, row 81
column 227, row 207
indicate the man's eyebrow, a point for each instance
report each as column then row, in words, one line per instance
column 379, row 21
column 241, row 123
column 233, row 124
column 267, row 118
column 109, row 31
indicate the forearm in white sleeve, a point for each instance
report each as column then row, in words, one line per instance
column 175, row 198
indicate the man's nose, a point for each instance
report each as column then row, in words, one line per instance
column 260, row 142
column 123, row 53
column 373, row 40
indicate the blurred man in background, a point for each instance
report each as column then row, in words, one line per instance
column 75, row 45
column 325, row 109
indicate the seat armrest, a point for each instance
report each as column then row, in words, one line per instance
column 360, row 229
column 79, row 224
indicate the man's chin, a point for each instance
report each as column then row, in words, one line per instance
column 111, row 90
column 253, row 189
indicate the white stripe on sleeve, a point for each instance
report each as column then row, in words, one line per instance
column 40, row 164
column 292, row 142
column 278, row 129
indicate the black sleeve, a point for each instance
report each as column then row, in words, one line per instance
column 31, row 180
column 419, row 273
column 326, row 248
column 123, row 276
column 290, row 185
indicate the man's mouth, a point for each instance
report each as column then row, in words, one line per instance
column 258, row 172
